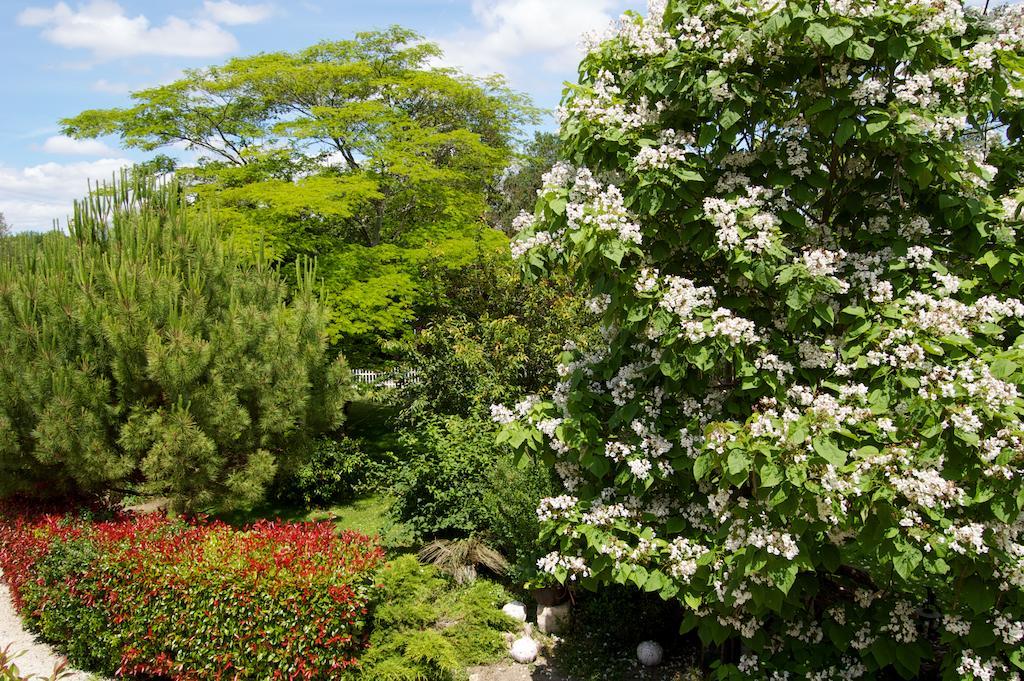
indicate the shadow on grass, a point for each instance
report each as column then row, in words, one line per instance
column 368, row 514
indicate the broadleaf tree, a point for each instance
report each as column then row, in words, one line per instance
column 362, row 152
column 801, row 222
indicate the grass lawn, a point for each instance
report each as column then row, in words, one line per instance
column 367, row 514
column 372, row 423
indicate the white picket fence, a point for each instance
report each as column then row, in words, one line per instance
column 387, row 378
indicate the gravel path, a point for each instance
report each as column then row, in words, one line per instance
column 38, row 658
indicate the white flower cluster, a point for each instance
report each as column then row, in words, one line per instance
column 968, row 538
column 671, row 149
column 946, row 316
column 604, row 209
column 683, row 557
column 902, row 625
column 775, row 542
column 604, row 105
column 605, row 515
column 1008, row 629
column 575, row 566
column 928, row 489
column 747, row 220
column 521, row 247
column 502, row 414
column 822, row 263
column 556, row 508
column 984, row 670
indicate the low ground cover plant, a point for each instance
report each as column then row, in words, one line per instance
column 428, row 629
column 801, row 223
column 142, row 595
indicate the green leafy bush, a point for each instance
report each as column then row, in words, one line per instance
column 335, row 470
column 439, row 490
column 805, row 424
column 488, row 338
column 510, row 497
column 429, row 630
column 144, row 596
column 139, row 354
column 455, row 482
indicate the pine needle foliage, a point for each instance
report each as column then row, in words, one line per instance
column 428, row 629
column 138, row 353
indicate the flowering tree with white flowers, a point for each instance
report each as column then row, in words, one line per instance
column 799, row 220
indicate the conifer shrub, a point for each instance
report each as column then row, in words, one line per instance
column 139, row 354
column 141, row 596
column 429, row 629
column 800, row 221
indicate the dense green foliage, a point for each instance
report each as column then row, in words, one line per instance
column 489, row 338
column 335, row 470
column 144, row 596
column 140, row 354
column 806, row 423
column 429, row 630
column 454, row 483
column 487, row 341
column 357, row 151
column 517, row 189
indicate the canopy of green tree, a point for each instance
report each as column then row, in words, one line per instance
column 140, row 354
column 362, row 152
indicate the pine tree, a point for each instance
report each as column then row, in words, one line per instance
column 140, row 354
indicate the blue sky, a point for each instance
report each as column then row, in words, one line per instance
column 60, row 58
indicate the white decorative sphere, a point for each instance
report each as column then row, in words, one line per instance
column 516, row 610
column 524, row 650
column 649, row 653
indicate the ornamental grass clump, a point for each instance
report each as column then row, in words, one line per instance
column 800, row 223
column 140, row 354
column 141, row 596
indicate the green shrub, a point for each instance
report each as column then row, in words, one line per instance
column 806, row 423
column 139, row 353
column 511, row 495
column 439, row 490
column 426, row 629
column 335, row 470
column 143, row 596
column 61, row 599
column 487, row 338
column 455, row 482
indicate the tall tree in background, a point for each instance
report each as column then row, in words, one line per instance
column 360, row 152
column 5, row 228
column 517, row 190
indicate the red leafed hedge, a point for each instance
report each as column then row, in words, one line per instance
column 144, row 596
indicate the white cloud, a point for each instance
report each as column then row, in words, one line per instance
column 32, row 198
column 102, row 27
column 111, row 87
column 236, row 14
column 510, row 29
column 61, row 144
